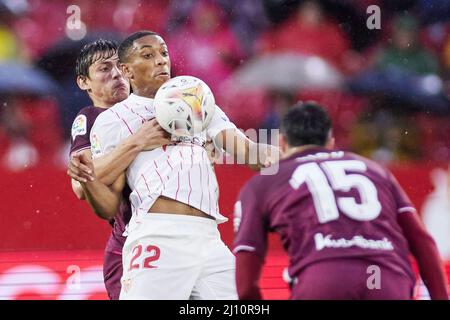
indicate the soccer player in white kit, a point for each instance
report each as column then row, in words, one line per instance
column 173, row 249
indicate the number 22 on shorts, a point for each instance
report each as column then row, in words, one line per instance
column 151, row 254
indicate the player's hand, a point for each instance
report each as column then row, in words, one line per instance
column 151, row 136
column 211, row 151
column 270, row 154
column 267, row 155
column 81, row 168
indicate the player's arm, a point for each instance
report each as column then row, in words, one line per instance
column 110, row 166
column 421, row 245
column 149, row 136
column 244, row 150
column 426, row 253
column 250, row 244
column 104, row 200
column 248, row 272
column 226, row 136
column 75, row 172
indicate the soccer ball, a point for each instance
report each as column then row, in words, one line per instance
column 184, row 106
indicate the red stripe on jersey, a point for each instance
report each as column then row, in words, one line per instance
column 181, row 163
column 164, row 186
column 132, row 111
column 138, row 195
column 133, row 209
column 209, row 193
column 189, row 175
column 123, row 121
column 169, row 164
column 190, row 188
column 201, row 183
column 178, row 187
column 149, row 192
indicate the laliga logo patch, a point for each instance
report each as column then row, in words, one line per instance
column 95, row 145
column 126, row 284
column 79, row 126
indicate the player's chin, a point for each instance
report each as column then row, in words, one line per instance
column 162, row 78
column 121, row 94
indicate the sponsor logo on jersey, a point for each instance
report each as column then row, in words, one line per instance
column 357, row 241
column 79, row 126
column 95, row 145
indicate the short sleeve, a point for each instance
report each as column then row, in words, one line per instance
column 250, row 222
column 106, row 134
column 219, row 123
column 79, row 134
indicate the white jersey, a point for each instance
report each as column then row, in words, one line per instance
column 181, row 171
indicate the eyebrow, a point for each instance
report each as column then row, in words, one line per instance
column 108, row 61
column 149, row 46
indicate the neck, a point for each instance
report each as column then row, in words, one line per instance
column 101, row 104
column 144, row 92
column 292, row 150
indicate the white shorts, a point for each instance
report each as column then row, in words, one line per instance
column 177, row 257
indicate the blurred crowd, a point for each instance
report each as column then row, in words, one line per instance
column 387, row 89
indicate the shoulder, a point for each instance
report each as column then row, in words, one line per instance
column 257, row 185
column 109, row 116
column 371, row 164
column 84, row 120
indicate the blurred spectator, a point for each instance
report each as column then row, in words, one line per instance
column 139, row 15
column 279, row 104
column 8, row 43
column 205, row 47
column 20, row 153
column 384, row 136
column 405, row 51
column 248, row 19
column 308, row 32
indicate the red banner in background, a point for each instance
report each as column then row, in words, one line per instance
column 52, row 244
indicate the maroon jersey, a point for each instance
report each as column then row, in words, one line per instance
column 326, row 205
column 81, row 129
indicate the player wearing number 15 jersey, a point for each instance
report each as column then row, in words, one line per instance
column 345, row 222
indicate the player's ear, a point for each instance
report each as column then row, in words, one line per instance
column 282, row 143
column 330, row 141
column 126, row 71
column 82, row 83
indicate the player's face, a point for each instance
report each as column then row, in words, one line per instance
column 106, row 82
column 149, row 64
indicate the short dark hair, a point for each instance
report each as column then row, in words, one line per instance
column 306, row 123
column 92, row 52
column 124, row 47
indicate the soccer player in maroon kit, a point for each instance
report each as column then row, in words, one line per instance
column 340, row 218
column 98, row 73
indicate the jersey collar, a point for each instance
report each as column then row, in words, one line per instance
column 139, row 99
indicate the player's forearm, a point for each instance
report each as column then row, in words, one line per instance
column 103, row 201
column 78, row 190
column 243, row 150
column 248, row 272
column 109, row 167
column 425, row 251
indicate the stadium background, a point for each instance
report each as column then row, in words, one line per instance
column 386, row 89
